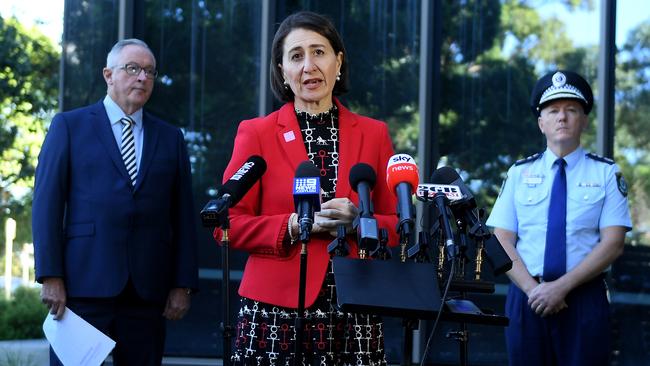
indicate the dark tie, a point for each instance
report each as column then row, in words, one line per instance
column 127, row 148
column 555, row 252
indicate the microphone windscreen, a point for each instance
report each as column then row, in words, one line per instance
column 242, row 181
column 307, row 169
column 361, row 172
column 444, row 175
column 402, row 169
column 306, row 186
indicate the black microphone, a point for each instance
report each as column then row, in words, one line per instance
column 442, row 203
column 233, row 190
column 362, row 181
column 465, row 208
column 306, row 196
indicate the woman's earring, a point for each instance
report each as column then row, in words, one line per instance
column 286, row 84
column 338, row 76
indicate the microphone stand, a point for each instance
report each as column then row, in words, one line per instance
column 382, row 252
column 405, row 231
column 339, row 246
column 463, row 245
column 419, row 252
column 300, row 316
column 227, row 329
column 461, row 335
column 478, row 233
column 213, row 215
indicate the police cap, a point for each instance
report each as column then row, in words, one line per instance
column 561, row 84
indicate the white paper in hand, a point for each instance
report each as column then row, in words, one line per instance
column 75, row 341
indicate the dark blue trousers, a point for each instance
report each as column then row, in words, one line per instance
column 578, row 335
column 137, row 326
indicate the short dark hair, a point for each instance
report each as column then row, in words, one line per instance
column 313, row 22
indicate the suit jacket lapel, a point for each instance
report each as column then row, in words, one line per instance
column 350, row 142
column 105, row 134
column 150, row 141
column 289, row 136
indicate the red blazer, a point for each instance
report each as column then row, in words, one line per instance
column 259, row 221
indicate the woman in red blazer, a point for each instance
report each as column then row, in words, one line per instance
column 308, row 67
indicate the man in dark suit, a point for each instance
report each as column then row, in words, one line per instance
column 113, row 217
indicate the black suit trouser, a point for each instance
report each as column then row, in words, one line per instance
column 136, row 325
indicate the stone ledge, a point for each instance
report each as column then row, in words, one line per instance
column 27, row 352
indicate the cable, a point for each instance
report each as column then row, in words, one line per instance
column 442, row 304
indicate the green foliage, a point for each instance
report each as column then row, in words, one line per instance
column 485, row 124
column 633, row 80
column 469, row 29
column 633, row 140
column 520, row 21
column 485, row 121
column 28, row 96
column 22, row 316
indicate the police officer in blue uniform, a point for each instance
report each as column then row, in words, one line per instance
column 562, row 216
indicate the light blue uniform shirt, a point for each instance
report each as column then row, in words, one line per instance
column 115, row 114
column 595, row 200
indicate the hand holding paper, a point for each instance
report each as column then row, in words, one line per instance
column 75, row 341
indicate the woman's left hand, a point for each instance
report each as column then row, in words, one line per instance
column 337, row 211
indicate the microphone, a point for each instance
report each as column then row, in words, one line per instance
column 362, row 180
column 465, row 208
column 426, row 191
column 402, row 179
column 233, row 190
column 306, row 196
column 441, row 202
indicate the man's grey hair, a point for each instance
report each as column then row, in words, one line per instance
column 117, row 48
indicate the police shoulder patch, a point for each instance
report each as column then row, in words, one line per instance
column 621, row 184
column 503, row 184
column 529, row 159
column 602, row 159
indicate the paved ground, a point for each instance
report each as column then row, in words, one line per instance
column 33, row 352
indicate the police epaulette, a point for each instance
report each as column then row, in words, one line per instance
column 529, row 159
column 600, row 158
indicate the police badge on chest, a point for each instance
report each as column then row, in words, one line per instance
column 533, row 180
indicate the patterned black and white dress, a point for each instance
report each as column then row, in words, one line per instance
column 265, row 333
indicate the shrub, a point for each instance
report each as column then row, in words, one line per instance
column 22, row 316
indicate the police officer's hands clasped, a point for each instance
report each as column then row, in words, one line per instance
column 547, row 298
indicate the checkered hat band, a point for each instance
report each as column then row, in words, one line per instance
column 559, row 92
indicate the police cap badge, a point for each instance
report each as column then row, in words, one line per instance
column 561, row 84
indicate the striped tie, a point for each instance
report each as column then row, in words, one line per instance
column 128, row 148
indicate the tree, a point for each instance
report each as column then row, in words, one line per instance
column 633, row 107
column 489, row 68
column 28, row 96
